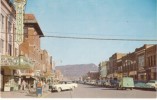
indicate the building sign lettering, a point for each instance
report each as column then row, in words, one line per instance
column 19, row 6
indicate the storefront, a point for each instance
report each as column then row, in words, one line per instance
column 10, row 71
column 153, row 75
column 133, row 74
column 120, row 75
column 142, row 75
column 125, row 74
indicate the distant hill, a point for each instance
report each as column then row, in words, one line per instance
column 75, row 71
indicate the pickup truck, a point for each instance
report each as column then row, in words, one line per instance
column 64, row 85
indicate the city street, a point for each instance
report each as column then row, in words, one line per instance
column 87, row 91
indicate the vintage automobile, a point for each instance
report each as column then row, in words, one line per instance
column 142, row 85
column 125, row 83
column 152, row 83
column 64, row 85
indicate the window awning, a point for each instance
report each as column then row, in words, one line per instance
column 20, row 62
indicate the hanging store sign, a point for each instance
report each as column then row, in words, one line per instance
column 19, row 6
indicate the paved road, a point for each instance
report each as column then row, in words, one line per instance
column 87, row 91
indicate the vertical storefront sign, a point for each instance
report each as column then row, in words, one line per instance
column 19, row 6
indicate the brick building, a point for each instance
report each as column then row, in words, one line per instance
column 140, row 64
column 129, row 65
column 93, row 75
column 151, row 62
column 141, row 61
column 31, row 49
column 113, row 69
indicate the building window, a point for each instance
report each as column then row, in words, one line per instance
column 151, row 60
column 9, row 27
column 41, row 57
column 10, row 49
column 25, row 32
column 1, row 45
column 2, row 21
column 154, row 60
column 141, row 61
column 16, row 52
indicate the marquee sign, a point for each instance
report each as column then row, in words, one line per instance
column 19, row 6
column 20, row 62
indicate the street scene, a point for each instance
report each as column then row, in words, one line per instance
column 78, row 49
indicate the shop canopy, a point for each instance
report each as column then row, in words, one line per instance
column 20, row 62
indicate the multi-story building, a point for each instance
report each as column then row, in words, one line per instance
column 119, row 68
column 31, row 49
column 103, row 70
column 129, row 66
column 58, row 76
column 151, row 62
column 11, row 62
column 93, row 75
column 8, row 45
column 141, row 61
column 113, row 69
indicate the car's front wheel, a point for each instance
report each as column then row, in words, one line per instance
column 72, row 88
column 59, row 90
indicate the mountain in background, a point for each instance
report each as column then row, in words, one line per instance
column 73, row 72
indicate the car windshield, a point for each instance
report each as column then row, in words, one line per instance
column 151, row 82
column 139, row 81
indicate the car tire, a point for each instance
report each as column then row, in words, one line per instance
column 72, row 88
column 59, row 90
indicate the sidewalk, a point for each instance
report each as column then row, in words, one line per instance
column 23, row 94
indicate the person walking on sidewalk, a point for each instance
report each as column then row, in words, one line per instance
column 39, row 88
column 23, row 85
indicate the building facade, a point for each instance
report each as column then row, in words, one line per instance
column 11, row 61
column 113, row 69
column 8, row 46
column 140, row 64
column 103, row 70
column 31, row 49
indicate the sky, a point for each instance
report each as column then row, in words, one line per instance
column 110, row 19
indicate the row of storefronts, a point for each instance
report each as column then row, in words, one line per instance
column 140, row 64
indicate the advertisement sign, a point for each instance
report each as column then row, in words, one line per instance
column 19, row 6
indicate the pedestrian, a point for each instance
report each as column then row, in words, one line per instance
column 34, row 84
column 39, row 88
column 23, row 85
column 43, row 86
column 19, row 84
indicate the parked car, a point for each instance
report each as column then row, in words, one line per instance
column 125, row 83
column 107, row 83
column 98, row 83
column 141, row 85
column 113, row 83
column 152, row 83
column 92, row 82
column 64, row 85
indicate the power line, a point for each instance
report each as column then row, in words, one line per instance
column 89, row 38
column 113, row 39
column 92, row 34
